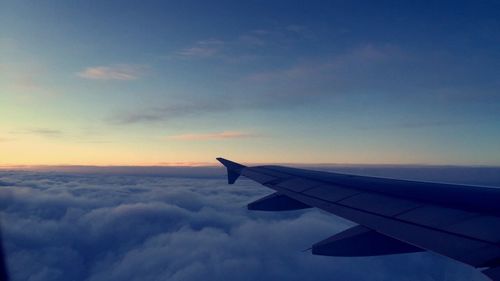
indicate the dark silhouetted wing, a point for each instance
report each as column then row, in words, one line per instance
column 4, row 276
column 394, row 216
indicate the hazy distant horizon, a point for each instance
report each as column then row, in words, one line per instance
column 460, row 174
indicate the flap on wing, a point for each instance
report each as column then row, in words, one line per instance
column 361, row 241
column 493, row 273
column 277, row 202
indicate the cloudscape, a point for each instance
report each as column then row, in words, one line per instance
column 189, row 225
column 114, row 116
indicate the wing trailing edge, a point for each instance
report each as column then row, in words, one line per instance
column 361, row 241
column 276, row 202
column 493, row 273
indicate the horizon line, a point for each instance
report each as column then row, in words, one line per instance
column 217, row 165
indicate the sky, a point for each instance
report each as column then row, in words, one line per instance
column 183, row 82
column 185, row 224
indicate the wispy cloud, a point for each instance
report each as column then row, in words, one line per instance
column 213, row 136
column 168, row 112
column 202, row 49
column 296, row 28
column 409, row 124
column 115, row 72
column 303, row 82
column 231, row 49
column 44, row 132
column 199, row 52
column 355, row 59
column 252, row 40
column 27, row 81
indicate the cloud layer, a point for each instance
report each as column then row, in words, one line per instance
column 68, row 226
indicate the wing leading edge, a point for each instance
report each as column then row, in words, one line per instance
column 394, row 216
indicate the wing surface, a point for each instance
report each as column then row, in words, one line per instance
column 457, row 221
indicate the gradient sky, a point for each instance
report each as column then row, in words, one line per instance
column 164, row 82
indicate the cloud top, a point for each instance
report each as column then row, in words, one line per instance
column 91, row 227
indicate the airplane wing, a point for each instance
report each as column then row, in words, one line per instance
column 393, row 216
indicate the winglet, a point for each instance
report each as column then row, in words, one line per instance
column 233, row 169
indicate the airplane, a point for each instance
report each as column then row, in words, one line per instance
column 394, row 216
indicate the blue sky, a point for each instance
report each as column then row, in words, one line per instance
column 155, row 82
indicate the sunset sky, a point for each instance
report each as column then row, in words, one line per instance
column 180, row 83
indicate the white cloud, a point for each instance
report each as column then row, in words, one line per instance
column 115, row 72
